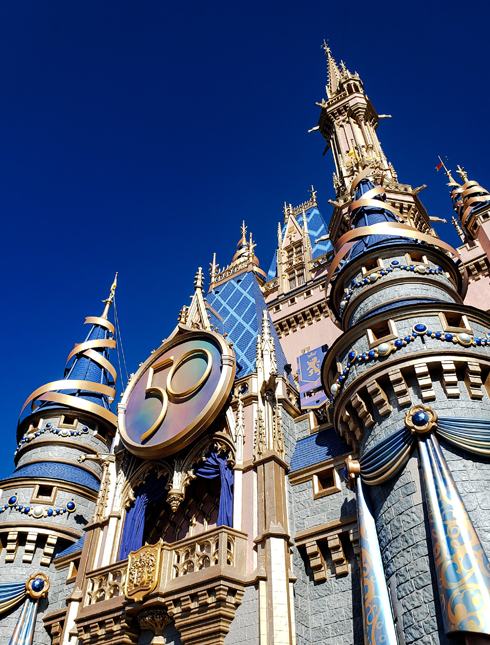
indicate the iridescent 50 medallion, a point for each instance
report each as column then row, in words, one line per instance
column 176, row 394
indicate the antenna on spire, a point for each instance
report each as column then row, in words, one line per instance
column 244, row 233
column 332, row 71
column 446, row 172
column 110, row 299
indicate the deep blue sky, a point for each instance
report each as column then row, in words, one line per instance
column 136, row 135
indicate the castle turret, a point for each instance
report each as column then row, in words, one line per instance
column 406, row 393
column 50, row 497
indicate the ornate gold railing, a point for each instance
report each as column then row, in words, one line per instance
column 172, row 566
column 106, row 583
column 209, row 549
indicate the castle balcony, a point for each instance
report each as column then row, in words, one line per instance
column 206, row 572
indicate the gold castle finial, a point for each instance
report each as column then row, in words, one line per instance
column 110, row 299
column 462, row 173
column 199, row 279
column 244, row 233
column 213, row 268
column 251, row 249
column 313, row 193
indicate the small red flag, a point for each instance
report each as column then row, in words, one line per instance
column 439, row 166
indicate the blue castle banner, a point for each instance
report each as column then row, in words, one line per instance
column 309, row 375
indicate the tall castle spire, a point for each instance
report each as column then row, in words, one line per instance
column 348, row 122
column 333, row 73
column 89, row 378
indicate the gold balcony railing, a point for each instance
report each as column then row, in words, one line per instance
column 106, row 583
column 167, row 567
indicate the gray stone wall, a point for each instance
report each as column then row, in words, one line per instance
column 398, row 283
column 404, row 287
column 302, row 429
column 326, row 612
column 245, row 626
column 289, row 434
column 77, row 519
column 309, row 512
column 65, row 448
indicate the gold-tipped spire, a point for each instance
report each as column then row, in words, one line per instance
column 110, row 299
column 462, row 173
column 213, row 268
column 199, row 279
column 244, row 233
column 333, row 71
column 459, row 230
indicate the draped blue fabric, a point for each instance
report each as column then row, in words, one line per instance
column 462, row 567
column 387, row 457
column 134, row 524
column 24, row 630
column 10, row 594
column 470, row 434
column 378, row 619
column 216, row 466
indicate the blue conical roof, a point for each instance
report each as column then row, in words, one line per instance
column 369, row 215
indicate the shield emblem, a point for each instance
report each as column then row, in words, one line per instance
column 143, row 571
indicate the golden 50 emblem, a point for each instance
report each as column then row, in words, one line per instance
column 176, row 394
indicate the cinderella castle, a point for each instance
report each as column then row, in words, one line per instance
column 304, row 460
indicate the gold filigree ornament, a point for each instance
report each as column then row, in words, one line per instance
column 143, row 571
column 37, row 586
column 420, row 419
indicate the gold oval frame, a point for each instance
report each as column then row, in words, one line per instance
column 204, row 419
